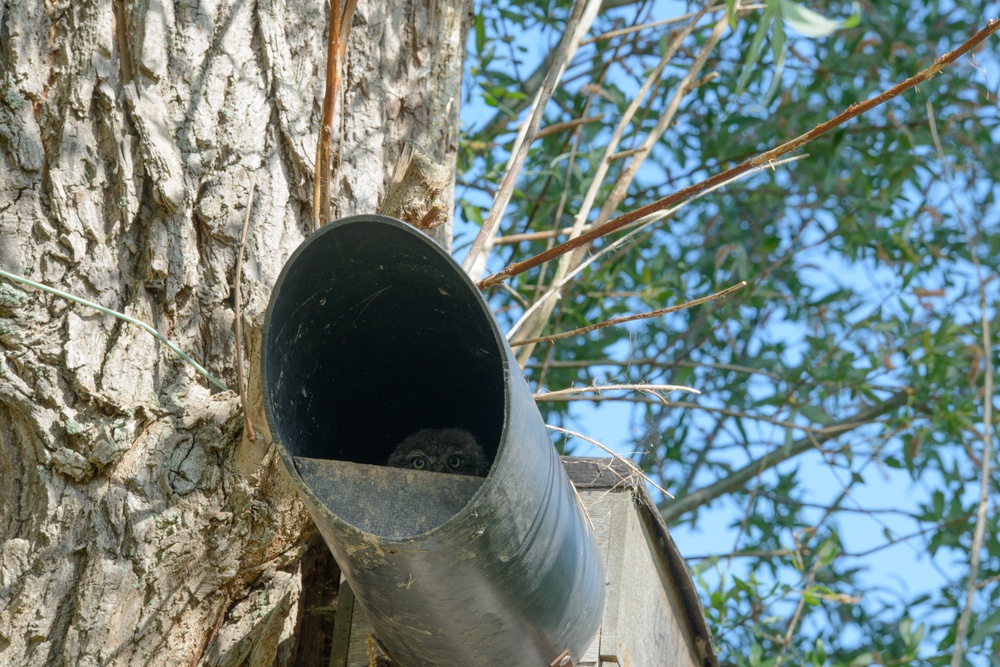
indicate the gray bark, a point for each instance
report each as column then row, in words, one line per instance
column 138, row 524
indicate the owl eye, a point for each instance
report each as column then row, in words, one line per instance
column 454, row 461
column 418, row 462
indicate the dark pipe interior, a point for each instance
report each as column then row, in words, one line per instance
column 375, row 336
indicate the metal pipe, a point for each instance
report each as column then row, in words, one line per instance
column 372, row 333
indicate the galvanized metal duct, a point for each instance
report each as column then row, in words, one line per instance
column 372, row 333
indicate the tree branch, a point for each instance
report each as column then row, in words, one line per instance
column 340, row 26
column 737, row 479
column 853, row 111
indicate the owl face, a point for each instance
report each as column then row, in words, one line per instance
column 448, row 450
column 450, row 461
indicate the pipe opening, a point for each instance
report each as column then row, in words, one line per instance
column 372, row 336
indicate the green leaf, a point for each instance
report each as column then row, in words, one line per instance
column 987, row 627
column 820, row 650
column 813, row 24
column 756, row 49
column 827, row 552
column 731, row 13
column 480, row 34
column 814, row 414
column 778, row 53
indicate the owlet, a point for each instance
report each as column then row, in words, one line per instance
column 451, row 450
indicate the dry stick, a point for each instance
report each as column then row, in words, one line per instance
column 629, row 318
column 645, row 388
column 541, row 398
column 563, row 198
column 507, row 186
column 984, row 463
column 651, row 361
column 787, row 639
column 345, row 26
column 772, row 553
column 665, row 363
column 340, row 27
column 989, row 580
column 514, row 294
column 574, row 145
column 853, row 111
column 544, row 304
column 629, row 462
column 604, row 164
column 247, row 424
column 532, row 236
column 321, row 173
column 546, row 131
column 559, row 127
column 563, row 231
column 797, row 616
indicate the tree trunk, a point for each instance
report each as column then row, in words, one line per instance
column 139, row 525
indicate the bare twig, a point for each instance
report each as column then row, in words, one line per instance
column 933, row 528
column 976, row 547
column 247, row 423
column 514, row 168
column 559, row 127
column 853, row 111
column 598, row 388
column 787, row 639
column 649, row 361
column 629, row 462
column 830, row 430
column 630, row 318
column 345, row 26
column 888, row 544
column 563, row 231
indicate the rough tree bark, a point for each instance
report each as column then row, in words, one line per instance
column 138, row 524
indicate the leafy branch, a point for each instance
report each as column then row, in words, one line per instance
column 738, row 479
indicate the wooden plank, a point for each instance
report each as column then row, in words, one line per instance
column 650, row 626
column 362, row 648
column 600, row 508
column 393, row 503
column 343, row 624
column 589, row 472
column 605, row 507
column 677, row 580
